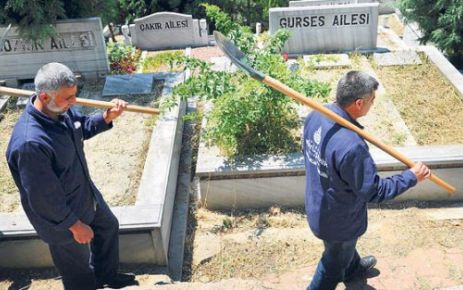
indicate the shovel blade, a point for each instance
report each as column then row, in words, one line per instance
column 237, row 57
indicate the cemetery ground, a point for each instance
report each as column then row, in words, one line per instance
column 418, row 244
column 274, row 249
column 124, row 148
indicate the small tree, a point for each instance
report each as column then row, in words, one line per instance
column 441, row 22
column 132, row 9
column 34, row 17
column 248, row 117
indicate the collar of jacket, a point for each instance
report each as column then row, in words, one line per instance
column 341, row 112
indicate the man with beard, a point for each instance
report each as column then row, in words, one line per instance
column 46, row 158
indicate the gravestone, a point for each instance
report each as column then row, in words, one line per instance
column 3, row 103
column 22, row 101
column 125, row 33
column 385, row 6
column 401, row 57
column 329, row 28
column 79, row 44
column 117, row 85
column 258, row 28
column 168, row 30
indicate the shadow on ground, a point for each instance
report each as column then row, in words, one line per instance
column 22, row 278
column 361, row 283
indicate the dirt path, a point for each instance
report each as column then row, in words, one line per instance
column 411, row 248
column 274, row 249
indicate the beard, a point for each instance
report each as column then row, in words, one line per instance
column 53, row 107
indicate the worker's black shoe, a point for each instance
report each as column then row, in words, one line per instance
column 365, row 266
column 120, row 280
column 367, row 263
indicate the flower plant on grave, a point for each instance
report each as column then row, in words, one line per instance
column 123, row 59
column 248, row 117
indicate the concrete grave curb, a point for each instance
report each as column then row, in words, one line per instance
column 144, row 227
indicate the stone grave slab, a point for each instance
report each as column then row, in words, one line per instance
column 164, row 30
column 292, row 64
column 22, row 101
column 79, row 44
column 117, row 85
column 402, row 57
column 328, row 60
column 222, row 63
column 327, row 28
column 3, row 102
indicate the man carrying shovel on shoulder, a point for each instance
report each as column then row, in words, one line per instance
column 341, row 178
column 46, row 158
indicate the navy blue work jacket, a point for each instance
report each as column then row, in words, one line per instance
column 341, row 178
column 47, row 161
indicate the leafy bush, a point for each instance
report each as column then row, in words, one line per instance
column 34, row 17
column 248, row 117
column 441, row 23
column 123, row 59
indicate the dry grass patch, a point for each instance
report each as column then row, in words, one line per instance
column 401, row 234
column 9, row 191
column 427, row 102
column 396, row 25
column 254, row 243
column 257, row 258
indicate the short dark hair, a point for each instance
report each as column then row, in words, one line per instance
column 355, row 85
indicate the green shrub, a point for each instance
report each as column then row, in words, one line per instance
column 441, row 23
column 123, row 59
column 248, row 117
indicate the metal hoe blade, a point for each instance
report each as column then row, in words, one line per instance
column 237, row 56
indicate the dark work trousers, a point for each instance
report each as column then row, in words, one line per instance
column 338, row 263
column 81, row 265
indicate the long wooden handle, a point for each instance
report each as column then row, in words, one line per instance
column 345, row 123
column 83, row 102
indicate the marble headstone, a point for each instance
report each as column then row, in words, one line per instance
column 79, row 44
column 330, row 28
column 22, row 101
column 168, row 30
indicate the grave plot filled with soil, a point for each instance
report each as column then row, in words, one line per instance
column 383, row 121
column 427, row 102
column 115, row 158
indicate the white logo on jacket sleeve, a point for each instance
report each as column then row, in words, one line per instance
column 312, row 153
column 77, row 125
column 317, row 136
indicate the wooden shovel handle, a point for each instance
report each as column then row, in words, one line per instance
column 345, row 123
column 83, row 102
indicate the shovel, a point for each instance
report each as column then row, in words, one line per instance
column 240, row 60
column 84, row 102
